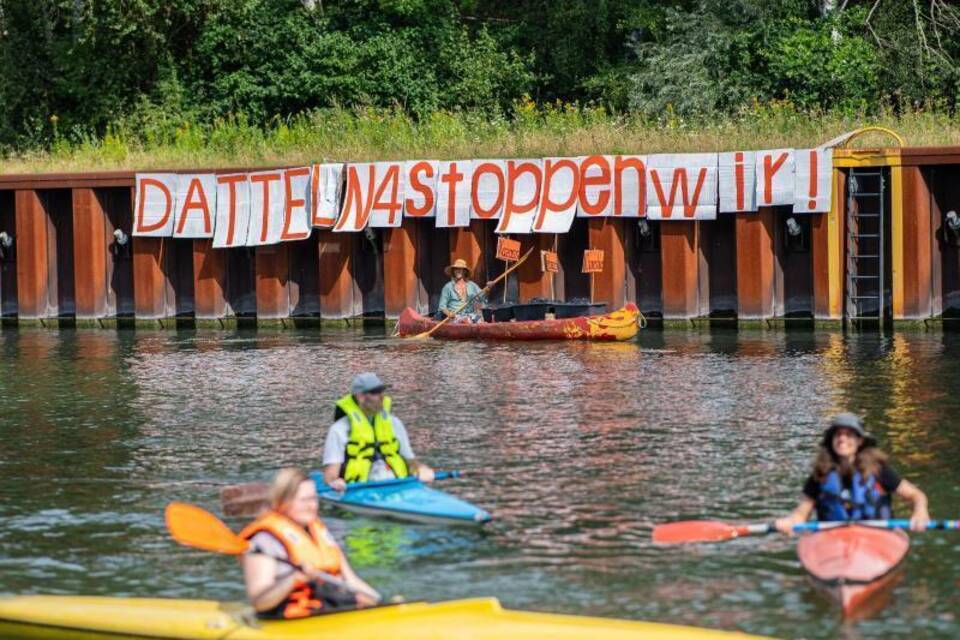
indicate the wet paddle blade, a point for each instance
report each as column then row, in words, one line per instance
column 693, row 531
column 248, row 500
column 194, row 527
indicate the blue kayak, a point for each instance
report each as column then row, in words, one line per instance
column 405, row 499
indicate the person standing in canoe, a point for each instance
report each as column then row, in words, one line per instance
column 851, row 481
column 292, row 557
column 367, row 442
column 460, row 290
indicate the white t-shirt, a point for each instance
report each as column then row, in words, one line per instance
column 335, row 448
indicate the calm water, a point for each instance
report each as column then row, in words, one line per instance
column 579, row 449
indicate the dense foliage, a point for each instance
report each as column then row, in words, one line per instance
column 75, row 70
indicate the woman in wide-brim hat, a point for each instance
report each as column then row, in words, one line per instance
column 461, row 298
column 851, row 480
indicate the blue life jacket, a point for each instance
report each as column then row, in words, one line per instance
column 865, row 500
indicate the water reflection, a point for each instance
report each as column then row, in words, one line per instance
column 577, row 449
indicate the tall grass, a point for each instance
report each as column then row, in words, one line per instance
column 155, row 141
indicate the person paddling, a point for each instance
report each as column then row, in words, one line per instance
column 290, row 549
column 851, row 480
column 460, row 290
column 366, row 441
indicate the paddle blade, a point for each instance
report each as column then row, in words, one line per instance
column 194, row 527
column 693, row 531
column 248, row 500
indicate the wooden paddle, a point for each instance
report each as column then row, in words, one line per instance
column 253, row 498
column 194, row 527
column 687, row 531
column 428, row 333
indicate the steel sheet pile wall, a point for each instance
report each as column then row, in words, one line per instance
column 67, row 255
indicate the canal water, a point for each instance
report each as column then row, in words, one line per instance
column 578, row 449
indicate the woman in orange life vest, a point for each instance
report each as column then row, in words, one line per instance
column 290, row 550
column 851, row 480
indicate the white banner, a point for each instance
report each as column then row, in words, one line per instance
column 386, row 210
column 814, row 170
column 596, row 186
column 524, row 195
column 453, row 193
column 266, row 208
column 524, row 178
column 737, row 179
column 559, row 190
column 196, row 206
column 325, row 182
column 629, row 186
column 775, row 178
column 488, row 189
column 357, row 199
column 233, row 211
column 156, row 198
column 420, row 195
column 682, row 186
column 297, row 204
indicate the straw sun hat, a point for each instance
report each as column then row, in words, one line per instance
column 459, row 263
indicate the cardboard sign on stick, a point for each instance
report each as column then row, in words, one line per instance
column 549, row 262
column 593, row 261
column 508, row 250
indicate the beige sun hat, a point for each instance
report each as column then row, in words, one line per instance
column 459, row 263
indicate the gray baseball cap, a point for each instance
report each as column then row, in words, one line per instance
column 850, row 421
column 367, row 382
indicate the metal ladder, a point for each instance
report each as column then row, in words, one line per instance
column 866, row 284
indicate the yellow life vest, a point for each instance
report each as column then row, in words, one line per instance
column 367, row 440
column 313, row 547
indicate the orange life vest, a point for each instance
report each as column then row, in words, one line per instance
column 312, row 547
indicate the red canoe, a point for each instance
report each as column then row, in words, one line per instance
column 856, row 566
column 619, row 325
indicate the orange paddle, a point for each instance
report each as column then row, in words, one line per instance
column 195, row 527
column 705, row 531
column 713, row 531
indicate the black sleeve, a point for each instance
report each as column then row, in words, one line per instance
column 889, row 479
column 338, row 413
column 811, row 488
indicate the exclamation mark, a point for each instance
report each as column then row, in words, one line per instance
column 813, row 180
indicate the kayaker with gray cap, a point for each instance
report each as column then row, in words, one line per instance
column 367, row 442
column 851, row 480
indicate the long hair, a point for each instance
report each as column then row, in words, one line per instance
column 868, row 461
column 285, row 486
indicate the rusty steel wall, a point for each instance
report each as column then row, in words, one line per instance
column 65, row 263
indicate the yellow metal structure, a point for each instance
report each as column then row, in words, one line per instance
column 92, row 618
column 845, row 158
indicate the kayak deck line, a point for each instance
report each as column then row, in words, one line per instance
column 407, row 516
column 96, row 617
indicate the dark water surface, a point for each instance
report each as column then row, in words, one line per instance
column 582, row 448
